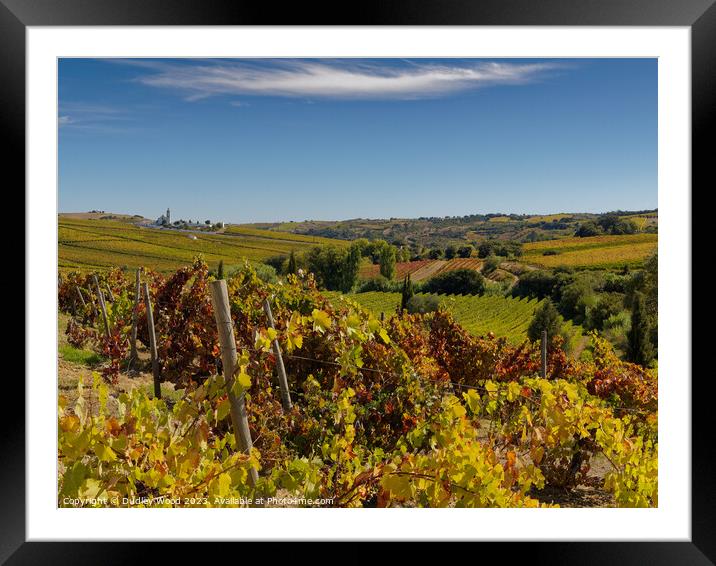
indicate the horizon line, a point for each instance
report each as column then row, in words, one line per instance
column 499, row 213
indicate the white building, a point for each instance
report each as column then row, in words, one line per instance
column 164, row 219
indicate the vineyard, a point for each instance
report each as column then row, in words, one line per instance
column 593, row 252
column 422, row 269
column 480, row 315
column 235, row 230
column 102, row 244
column 410, row 411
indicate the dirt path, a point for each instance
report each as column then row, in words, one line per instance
column 69, row 373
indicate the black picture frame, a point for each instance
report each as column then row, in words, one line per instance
column 699, row 15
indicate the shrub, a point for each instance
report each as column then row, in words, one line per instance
column 607, row 306
column 538, row 284
column 266, row 273
column 614, row 283
column 277, row 262
column 490, row 264
column 576, row 298
column 421, row 304
column 615, row 329
column 587, row 230
column 378, row 284
column 457, row 282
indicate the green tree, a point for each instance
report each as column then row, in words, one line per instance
column 607, row 306
column 350, row 267
column 335, row 269
column 538, row 283
column 386, row 259
column 450, row 252
column 576, row 299
column 587, row 230
column 292, row 267
column 407, row 294
column 546, row 318
column 465, row 251
column 651, row 297
column 639, row 349
column 646, row 281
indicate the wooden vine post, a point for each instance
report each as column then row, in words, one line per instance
column 137, row 297
column 110, row 295
column 225, row 327
column 82, row 299
column 280, row 369
column 102, row 306
column 92, row 301
column 152, row 342
column 543, row 371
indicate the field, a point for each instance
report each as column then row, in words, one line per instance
column 100, row 244
column 235, row 230
column 594, row 252
column 508, row 317
column 422, row 269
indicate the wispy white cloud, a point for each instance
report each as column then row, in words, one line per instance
column 95, row 118
column 347, row 80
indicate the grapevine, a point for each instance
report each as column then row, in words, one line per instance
column 385, row 413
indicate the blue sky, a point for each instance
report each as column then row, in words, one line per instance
column 293, row 139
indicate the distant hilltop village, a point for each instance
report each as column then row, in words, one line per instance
column 165, row 220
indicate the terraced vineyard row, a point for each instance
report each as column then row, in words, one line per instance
column 93, row 244
column 503, row 316
column 423, row 269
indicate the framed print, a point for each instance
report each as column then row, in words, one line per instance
column 393, row 279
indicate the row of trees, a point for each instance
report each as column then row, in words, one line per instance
column 487, row 248
column 607, row 224
column 336, row 268
column 321, row 259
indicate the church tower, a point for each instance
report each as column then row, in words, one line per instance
column 169, row 218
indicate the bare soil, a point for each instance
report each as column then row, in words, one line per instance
column 592, row 494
